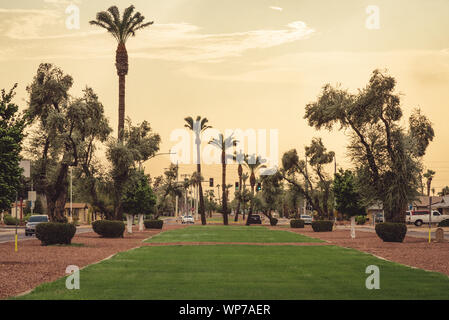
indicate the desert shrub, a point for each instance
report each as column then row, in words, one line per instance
column 444, row 223
column 273, row 221
column 55, row 233
column 108, row 228
column 391, row 232
column 10, row 220
column 153, row 224
column 322, row 225
column 360, row 220
column 296, row 223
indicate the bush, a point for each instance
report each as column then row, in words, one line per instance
column 391, row 232
column 444, row 223
column 55, row 233
column 322, row 225
column 360, row 220
column 10, row 220
column 298, row 223
column 108, row 228
column 153, row 224
column 273, row 221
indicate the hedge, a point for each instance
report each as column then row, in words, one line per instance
column 444, row 223
column 298, row 223
column 360, row 220
column 322, row 225
column 391, row 232
column 153, row 224
column 55, row 233
column 10, row 220
column 108, row 228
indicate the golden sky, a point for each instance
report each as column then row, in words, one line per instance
column 247, row 64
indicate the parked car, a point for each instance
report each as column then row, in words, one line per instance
column 33, row 221
column 254, row 219
column 419, row 217
column 307, row 219
column 187, row 219
column 379, row 218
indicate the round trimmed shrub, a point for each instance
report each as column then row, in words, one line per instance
column 153, row 224
column 391, row 232
column 297, row 223
column 322, row 225
column 55, row 233
column 444, row 223
column 108, row 228
column 10, row 220
column 273, row 221
column 360, row 220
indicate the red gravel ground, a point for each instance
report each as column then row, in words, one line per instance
column 414, row 252
column 34, row 264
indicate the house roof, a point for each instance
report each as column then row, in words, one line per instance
column 443, row 204
column 423, row 201
column 77, row 205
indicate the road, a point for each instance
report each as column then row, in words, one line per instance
column 7, row 235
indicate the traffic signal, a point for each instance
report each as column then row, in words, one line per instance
column 211, row 182
column 259, row 187
column 236, row 186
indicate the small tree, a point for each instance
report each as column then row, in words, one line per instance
column 348, row 200
column 11, row 135
column 138, row 198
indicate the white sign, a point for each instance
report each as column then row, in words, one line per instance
column 32, row 195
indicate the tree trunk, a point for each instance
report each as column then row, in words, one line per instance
column 201, row 208
column 129, row 220
column 251, row 203
column 237, row 212
column 225, row 195
column 121, row 63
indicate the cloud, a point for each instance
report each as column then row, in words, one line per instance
column 276, row 8
column 171, row 41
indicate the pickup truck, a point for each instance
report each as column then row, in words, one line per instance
column 422, row 216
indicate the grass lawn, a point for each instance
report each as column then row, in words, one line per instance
column 245, row 272
column 229, row 234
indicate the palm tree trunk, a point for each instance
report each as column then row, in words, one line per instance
column 121, row 107
column 121, row 63
column 237, row 212
column 223, row 181
column 200, row 187
column 250, row 213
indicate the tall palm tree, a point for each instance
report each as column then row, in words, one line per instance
column 444, row 191
column 253, row 163
column 239, row 195
column 245, row 178
column 429, row 176
column 198, row 126
column 121, row 29
column 224, row 144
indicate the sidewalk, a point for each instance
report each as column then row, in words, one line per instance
column 412, row 231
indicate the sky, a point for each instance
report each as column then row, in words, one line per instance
column 251, row 64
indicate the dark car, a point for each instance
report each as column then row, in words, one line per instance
column 33, row 221
column 254, row 219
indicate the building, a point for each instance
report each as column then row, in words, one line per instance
column 80, row 213
column 443, row 206
column 422, row 203
column 374, row 210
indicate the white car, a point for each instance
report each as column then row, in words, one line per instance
column 307, row 219
column 422, row 216
column 187, row 219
